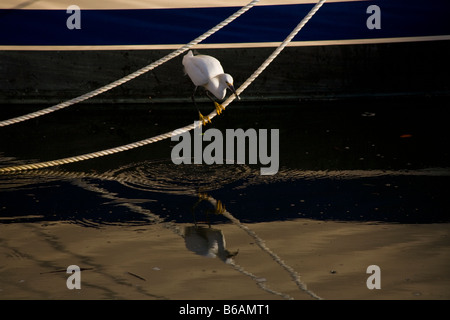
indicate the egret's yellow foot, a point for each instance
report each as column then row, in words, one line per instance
column 220, row 208
column 203, row 196
column 219, row 107
column 204, row 119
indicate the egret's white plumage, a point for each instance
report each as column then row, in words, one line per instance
column 206, row 71
column 208, row 242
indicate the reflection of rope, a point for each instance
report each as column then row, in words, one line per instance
column 259, row 281
column 154, row 218
column 132, row 75
column 263, row 246
column 179, row 130
column 172, row 226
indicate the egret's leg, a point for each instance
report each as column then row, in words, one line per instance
column 193, row 97
column 203, row 119
column 219, row 107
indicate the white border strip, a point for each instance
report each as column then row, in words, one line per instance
column 142, row 4
column 228, row 45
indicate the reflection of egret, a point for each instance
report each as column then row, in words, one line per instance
column 207, row 72
column 208, row 242
column 218, row 208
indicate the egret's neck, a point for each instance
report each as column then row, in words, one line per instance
column 217, row 87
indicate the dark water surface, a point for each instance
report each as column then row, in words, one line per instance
column 360, row 183
column 372, row 160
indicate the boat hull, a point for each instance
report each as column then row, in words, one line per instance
column 336, row 55
column 313, row 72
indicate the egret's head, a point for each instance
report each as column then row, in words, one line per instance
column 229, row 82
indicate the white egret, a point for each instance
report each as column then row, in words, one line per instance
column 206, row 71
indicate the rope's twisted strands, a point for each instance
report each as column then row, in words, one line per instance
column 179, row 130
column 133, row 75
column 102, row 153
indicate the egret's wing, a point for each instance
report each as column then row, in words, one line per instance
column 210, row 64
column 198, row 77
column 202, row 68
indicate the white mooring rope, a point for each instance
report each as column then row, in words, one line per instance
column 178, row 131
column 133, row 75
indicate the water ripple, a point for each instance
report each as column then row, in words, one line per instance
column 166, row 177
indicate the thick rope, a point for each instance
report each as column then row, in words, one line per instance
column 178, row 131
column 132, row 75
column 273, row 55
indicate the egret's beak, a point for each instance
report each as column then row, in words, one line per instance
column 231, row 87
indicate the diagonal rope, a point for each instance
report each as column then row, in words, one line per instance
column 133, row 75
column 277, row 51
column 178, row 131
